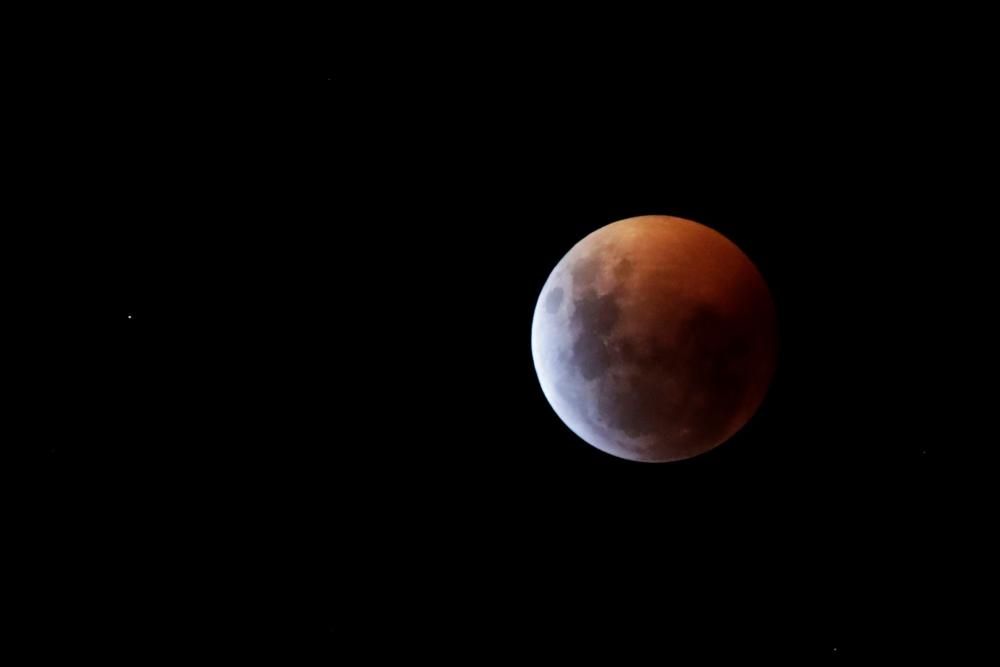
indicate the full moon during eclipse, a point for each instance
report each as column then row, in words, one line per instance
column 654, row 339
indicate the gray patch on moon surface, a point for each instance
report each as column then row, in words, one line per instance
column 595, row 315
column 623, row 269
column 585, row 271
column 554, row 299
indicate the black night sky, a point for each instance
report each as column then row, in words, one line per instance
column 306, row 399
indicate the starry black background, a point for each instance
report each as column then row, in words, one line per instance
column 305, row 397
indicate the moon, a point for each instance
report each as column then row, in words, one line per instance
column 654, row 339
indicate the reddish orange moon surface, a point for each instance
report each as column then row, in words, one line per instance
column 654, row 339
